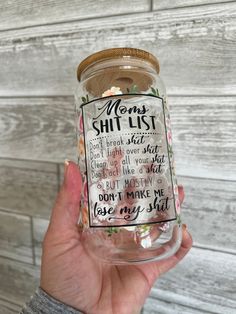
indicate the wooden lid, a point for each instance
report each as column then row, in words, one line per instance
column 117, row 53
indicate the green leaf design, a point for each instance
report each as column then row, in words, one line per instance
column 85, row 99
column 134, row 89
column 166, row 108
column 144, row 228
column 155, row 92
column 111, row 230
column 178, row 220
column 170, row 149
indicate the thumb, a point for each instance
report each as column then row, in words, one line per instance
column 65, row 213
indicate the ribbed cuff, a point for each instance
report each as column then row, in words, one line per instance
column 42, row 303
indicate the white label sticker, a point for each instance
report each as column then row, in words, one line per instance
column 127, row 160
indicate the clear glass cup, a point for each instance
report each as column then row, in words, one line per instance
column 130, row 209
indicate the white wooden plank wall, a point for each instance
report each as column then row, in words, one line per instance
column 41, row 43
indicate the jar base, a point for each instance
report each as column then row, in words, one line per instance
column 124, row 256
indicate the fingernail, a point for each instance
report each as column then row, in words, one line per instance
column 181, row 186
column 66, row 164
column 184, row 226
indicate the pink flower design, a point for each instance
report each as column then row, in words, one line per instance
column 81, row 124
column 81, row 147
column 85, row 192
column 85, row 215
column 169, row 137
column 177, row 205
column 113, row 91
column 168, row 122
column 164, row 227
column 176, row 191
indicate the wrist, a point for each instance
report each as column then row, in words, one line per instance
column 42, row 303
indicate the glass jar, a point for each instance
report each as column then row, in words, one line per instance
column 130, row 209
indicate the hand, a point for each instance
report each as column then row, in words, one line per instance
column 72, row 276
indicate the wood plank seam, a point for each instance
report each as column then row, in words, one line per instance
column 179, row 303
column 8, row 300
column 206, row 178
column 170, row 296
column 196, row 5
column 213, row 249
column 76, row 20
column 28, row 160
column 5, row 210
column 151, row 5
column 15, row 260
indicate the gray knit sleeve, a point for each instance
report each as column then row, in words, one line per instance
column 42, row 303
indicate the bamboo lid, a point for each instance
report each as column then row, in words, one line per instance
column 117, row 53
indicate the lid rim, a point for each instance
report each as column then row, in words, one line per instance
column 117, row 53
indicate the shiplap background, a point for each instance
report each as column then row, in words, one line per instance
column 41, row 43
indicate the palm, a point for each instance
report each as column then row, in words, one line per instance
column 97, row 287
